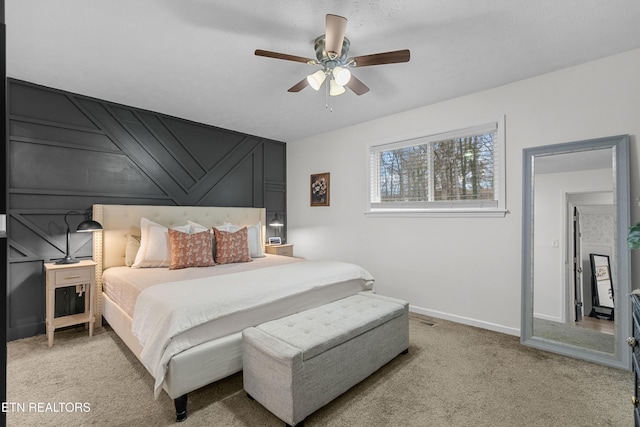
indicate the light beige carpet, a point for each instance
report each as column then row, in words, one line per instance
column 454, row 375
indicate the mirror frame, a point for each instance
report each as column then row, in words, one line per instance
column 621, row 357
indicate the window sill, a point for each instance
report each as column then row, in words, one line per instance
column 437, row 213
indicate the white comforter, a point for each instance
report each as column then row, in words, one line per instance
column 164, row 311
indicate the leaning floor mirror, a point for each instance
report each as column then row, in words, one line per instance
column 575, row 261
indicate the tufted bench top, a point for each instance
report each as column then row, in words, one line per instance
column 319, row 329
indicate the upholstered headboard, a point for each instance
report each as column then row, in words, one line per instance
column 117, row 220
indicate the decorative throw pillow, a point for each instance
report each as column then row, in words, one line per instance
column 198, row 228
column 254, row 239
column 190, row 250
column 154, row 245
column 232, row 246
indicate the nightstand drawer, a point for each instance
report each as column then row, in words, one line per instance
column 73, row 276
column 285, row 250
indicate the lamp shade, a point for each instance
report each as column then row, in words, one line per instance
column 335, row 89
column 341, row 75
column 88, row 225
column 316, row 79
column 276, row 222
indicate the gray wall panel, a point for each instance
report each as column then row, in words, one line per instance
column 24, row 277
column 52, row 106
column 35, row 132
column 68, row 152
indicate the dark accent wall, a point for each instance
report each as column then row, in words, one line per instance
column 3, row 208
column 68, row 152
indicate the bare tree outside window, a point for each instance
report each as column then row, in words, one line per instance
column 456, row 173
column 449, row 170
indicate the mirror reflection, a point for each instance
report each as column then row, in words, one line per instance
column 574, row 220
column 575, row 262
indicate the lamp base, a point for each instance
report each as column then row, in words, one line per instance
column 67, row 260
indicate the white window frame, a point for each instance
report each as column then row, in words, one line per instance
column 448, row 210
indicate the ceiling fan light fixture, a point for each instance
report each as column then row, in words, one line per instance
column 316, row 79
column 332, row 55
column 341, row 75
column 335, row 89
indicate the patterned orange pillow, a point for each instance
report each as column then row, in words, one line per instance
column 190, row 250
column 232, row 246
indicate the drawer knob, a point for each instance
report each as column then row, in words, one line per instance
column 632, row 342
column 634, row 400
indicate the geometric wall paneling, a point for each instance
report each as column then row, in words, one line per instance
column 235, row 185
column 3, row 210
column 277, row 198
column 42, row 235
column 274, row 153
column 53, row 107
column 233, row 180
column 40, row 132
column 67, row 152
column 207, row 144
column 75, row 171
column 275, row 187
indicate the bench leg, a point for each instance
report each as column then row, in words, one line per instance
column 300, row 424
column 406, row 351
column 181, row 408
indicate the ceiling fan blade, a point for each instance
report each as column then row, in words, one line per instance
column 334, row 35
column 299, row 86
column 382, row 58
column 357, row 86
column 286, row 57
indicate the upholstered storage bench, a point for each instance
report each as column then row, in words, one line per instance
column 295, row 365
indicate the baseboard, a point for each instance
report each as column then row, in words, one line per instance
column 465, row 320
column 547, row 317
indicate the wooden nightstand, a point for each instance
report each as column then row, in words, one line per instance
column 284, row 250
column 81, row 275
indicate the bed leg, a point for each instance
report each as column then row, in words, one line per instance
column 181, row 408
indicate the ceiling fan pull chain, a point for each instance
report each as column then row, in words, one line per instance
column 326, row 98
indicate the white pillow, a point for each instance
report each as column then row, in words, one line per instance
column 255, row 237
column 154, row 244
column 227, row 227
column 131, row 250
column 197, row 228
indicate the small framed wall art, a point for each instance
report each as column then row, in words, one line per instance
column 320, row 189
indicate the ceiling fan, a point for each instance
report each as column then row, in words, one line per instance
column 332, row 50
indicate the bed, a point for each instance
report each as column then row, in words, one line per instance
column 157, row 306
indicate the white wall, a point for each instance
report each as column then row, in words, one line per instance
column 464, row 269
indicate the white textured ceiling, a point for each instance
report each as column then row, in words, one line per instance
column 194, row 58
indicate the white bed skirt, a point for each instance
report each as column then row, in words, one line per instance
column 191, row 369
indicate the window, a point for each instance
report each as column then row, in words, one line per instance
column 447, row 174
